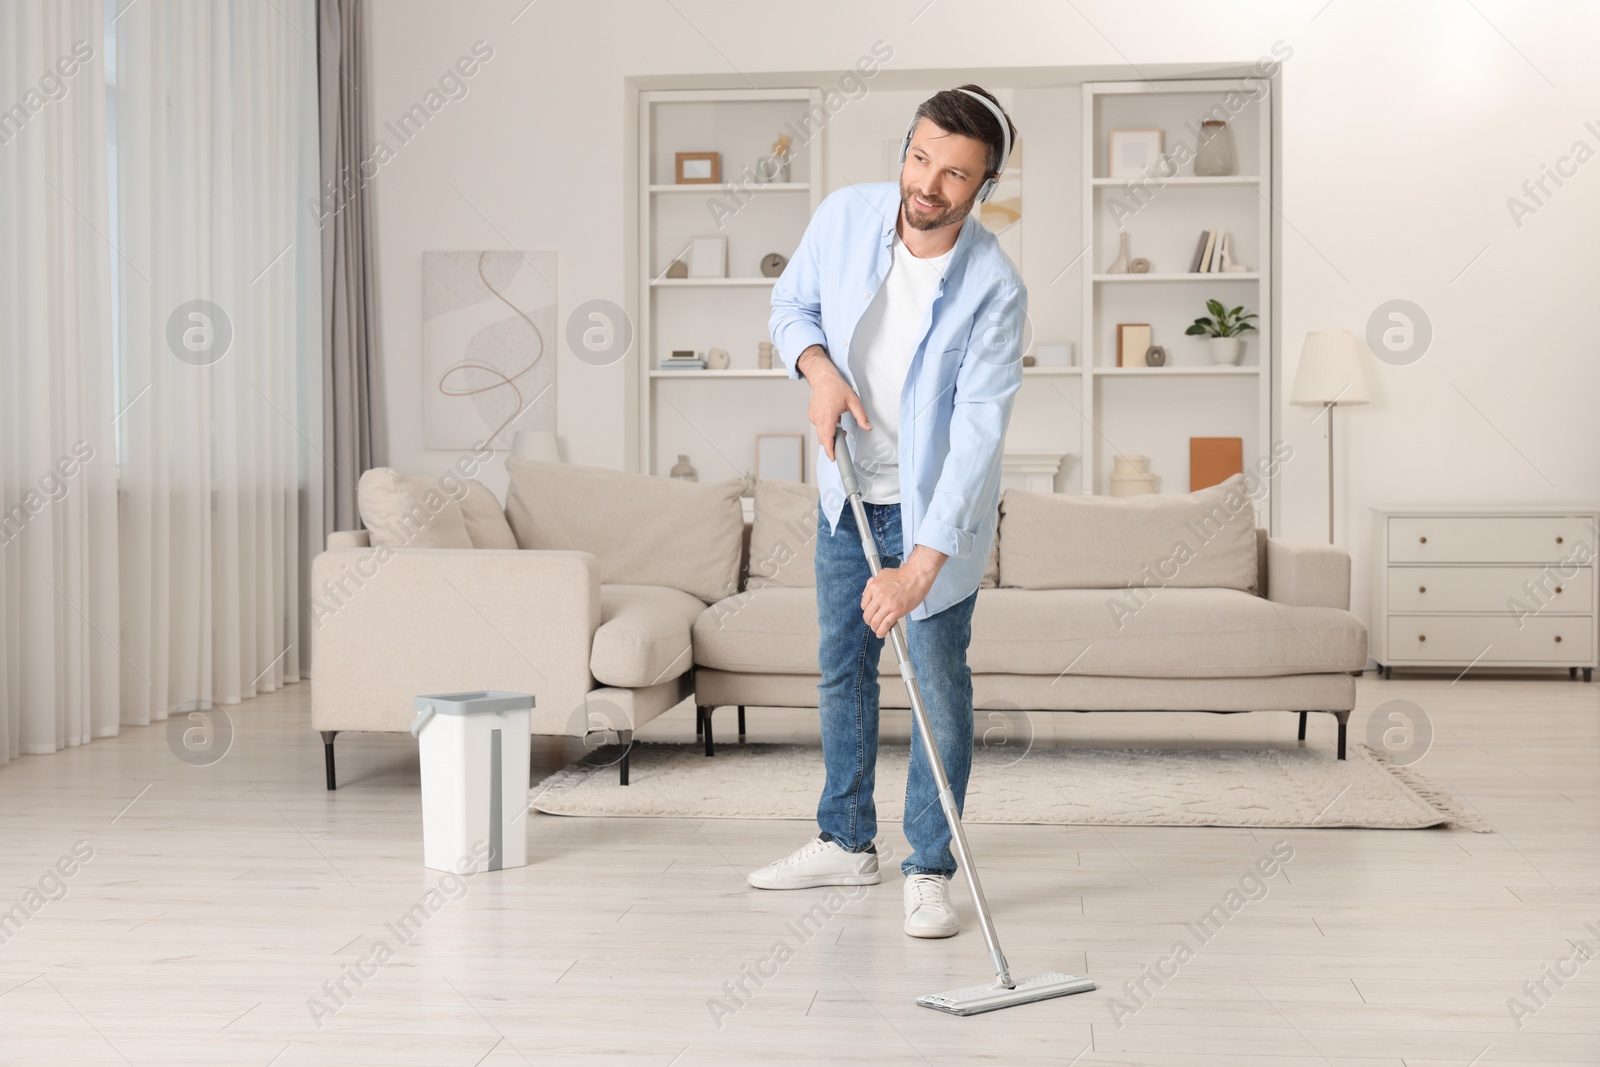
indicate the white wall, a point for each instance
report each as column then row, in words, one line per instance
column 1406, row 128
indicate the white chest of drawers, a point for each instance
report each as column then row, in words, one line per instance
column 1485, row 587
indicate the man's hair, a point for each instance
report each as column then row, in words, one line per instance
column 956, row 112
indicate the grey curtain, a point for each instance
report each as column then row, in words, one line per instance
column 351, row 413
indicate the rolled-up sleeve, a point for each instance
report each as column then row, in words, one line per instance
column 986, row 384
column 796, row 320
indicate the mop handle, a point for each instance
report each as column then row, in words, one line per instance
column 919, row 714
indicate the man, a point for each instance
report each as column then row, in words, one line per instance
column 905, row 317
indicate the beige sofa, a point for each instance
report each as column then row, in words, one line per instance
column 1085, row 607
column 1057, row 626
column 436, row 596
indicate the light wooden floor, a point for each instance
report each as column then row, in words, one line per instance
column 220, row 899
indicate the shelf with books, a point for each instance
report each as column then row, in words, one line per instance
column 750, row 220
column 732, row 372
column 1177, row 224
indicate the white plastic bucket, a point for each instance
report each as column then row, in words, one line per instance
column 474, row 751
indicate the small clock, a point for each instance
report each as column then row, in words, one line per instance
column 772, row 265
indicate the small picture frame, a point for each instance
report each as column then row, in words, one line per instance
column 781, row 456
column 708, row 257
column 1133, row 341
column 1130, row 153
column 698, row 168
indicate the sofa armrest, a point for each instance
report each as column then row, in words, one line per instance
column 389, row 625
column 340, row 539
column 1307, row 574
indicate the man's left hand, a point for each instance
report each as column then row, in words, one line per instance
column 895, row 591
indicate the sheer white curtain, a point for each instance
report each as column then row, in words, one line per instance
column 215, row 115
column 159, row 346
column 59, row 662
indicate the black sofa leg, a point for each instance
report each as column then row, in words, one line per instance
column 741, row 722
column 704, row 711
column 699, row 720
column 1344, row 720
column 1302, row 726
column 622, row 767
column 327, row 757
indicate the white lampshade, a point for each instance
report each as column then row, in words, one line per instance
column 537, row 445
column 1331, row 370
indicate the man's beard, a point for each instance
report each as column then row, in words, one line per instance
column 944, row 212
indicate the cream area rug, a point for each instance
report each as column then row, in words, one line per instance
column 1077, row 786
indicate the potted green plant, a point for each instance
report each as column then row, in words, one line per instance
column 1225, row 328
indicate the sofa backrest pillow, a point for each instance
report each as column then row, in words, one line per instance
column 643, row 530
column 407, row 511
column 487, row 525
column 783, row 538
column 1204, row 539
column 783, row 535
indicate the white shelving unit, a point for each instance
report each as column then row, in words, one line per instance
column 686, row 412
column 1086, row 412
column 1129, row 409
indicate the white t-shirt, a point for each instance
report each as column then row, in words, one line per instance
column 880, row 355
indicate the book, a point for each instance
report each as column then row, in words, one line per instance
column 1213, row 460
column 1210, row 251
column 1199, row 251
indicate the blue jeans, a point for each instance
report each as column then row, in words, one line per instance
column 848, row 697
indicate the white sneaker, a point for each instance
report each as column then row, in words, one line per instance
column 818, row 863
column 928, row 910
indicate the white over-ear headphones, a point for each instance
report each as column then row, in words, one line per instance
column 986, row 190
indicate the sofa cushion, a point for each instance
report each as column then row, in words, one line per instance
column 1200, row 540
column 486, row 520
column 761, row 631
column 783, row 536
column 1170, row 633
column 643, row 530
column 1160, row 633
column 643, row 636
column 408, row 511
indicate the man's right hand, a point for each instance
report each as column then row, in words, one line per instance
column 831, row 396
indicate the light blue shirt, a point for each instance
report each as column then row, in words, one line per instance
column 963, row 377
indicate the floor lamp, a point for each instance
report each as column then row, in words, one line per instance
column 1330, row 375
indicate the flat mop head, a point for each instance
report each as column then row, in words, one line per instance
column 981, row 998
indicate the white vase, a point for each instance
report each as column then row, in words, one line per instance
column 1226, row 349
column 1122, row 262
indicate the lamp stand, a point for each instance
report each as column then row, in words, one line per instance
column 1329, row 409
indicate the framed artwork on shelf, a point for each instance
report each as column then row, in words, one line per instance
column 1133, row 341
column 708, row 257
column 1131, row 151
column 781, row 456
column 697, row 168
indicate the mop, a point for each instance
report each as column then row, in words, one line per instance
column 1005, row 992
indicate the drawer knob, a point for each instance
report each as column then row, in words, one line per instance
column 1424, row 540
column 1558, row 540
column 1558, row 639
column 1558, row 589
column 1422, row 637
column 1422, row 589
